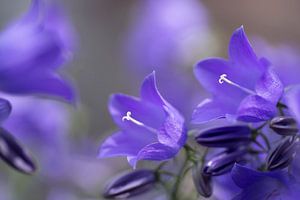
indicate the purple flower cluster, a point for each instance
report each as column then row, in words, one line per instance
column 257, row 147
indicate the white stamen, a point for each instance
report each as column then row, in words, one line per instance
column 129, row 118
column 223, row 78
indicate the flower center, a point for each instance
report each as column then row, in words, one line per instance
column 223, row 78
column 128, row 117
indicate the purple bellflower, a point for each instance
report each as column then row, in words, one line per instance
column 257, row 185
column 33, row 48
column 244, row 87
column 150, row 128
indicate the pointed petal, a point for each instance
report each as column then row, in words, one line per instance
column 269, row 86
column 242, row 54
column 255, row 108
column 244, row 176
column 149, row 91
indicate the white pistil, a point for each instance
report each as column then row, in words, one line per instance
column 223, row 78
column 129, row 118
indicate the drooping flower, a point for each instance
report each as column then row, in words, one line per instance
column 33, row 48
column 150, row 128
column 264, row 185
column 243, row 87
column 167, row 37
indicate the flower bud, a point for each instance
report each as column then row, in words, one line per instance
column 202, row 182
column 131, row 184
column 282, row 155
column 228, row 136
column 14, row 154
column 284, row 125
column 223, row 162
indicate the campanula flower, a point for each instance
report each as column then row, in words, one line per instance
column 33, row 48
column 244, row 87
column 150, row 128
column 166, row 38
column 257, row 185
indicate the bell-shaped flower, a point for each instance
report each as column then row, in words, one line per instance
column 264, row 185
column 33, row 48
column 244, row 87
column 150, row 128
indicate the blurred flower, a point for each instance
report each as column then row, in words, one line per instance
column 155, row 131
column 264, row 185
column 33, row 48
column 284, row 58
column 242, row 87
column 167, row 37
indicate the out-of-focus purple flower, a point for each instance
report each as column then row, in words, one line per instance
column 33, row 48
column 264, row 185
column 151, row 129
column 285, row 59
column 243, row 87
column 167, row 37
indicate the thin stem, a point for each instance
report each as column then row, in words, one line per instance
column 179, row 178
column 260, row 145
column 265, row 140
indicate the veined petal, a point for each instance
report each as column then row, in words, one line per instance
column 210, row 109
column 255, row 108
column 269, row 86
column 157, row 151
column 123, row 144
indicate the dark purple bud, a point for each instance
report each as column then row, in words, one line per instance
column 14, row 154
column 202, row 182
column 228, row 136
column 284, row 125
column 223, row 162
column 130, row 184
column 282, row 155
column 5, row 109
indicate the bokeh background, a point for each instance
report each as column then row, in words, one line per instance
column 100, row 67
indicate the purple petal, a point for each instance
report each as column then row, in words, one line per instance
column 156, row 151
column 269, row 86
column 208, row 73
column 124, row 144
column 210, row 109
column 255, row 108
column 149, row 114
column 39, row 83
column 292, row 99
column 149, row 91
column 244, row 176
column 242, row 54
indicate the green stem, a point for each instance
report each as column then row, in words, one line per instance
column 179, row 178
